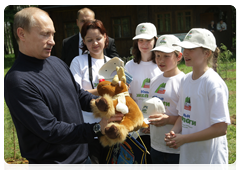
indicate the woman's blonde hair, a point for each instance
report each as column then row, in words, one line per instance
column 212, row 57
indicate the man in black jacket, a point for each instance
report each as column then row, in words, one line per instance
column 70, row 48
column 44, row 100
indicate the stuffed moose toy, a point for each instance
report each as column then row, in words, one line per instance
column 115, row 97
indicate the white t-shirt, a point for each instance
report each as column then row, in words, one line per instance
column 142, row 73
column 202, row 103
column 80, row 71
column 166, row 89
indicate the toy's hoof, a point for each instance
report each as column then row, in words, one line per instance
column 111, row 132
column 102, row 104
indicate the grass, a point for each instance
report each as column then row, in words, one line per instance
column 230, row 80
column 9, row 129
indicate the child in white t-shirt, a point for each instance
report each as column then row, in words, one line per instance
column 203, row 105
column 165, row 87
column 142, row 68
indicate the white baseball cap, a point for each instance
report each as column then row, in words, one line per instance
column 165, row 44
column 152, row 105
column 198, row 37
column 145, row 30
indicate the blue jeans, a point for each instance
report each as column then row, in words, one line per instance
column 163, row 158
column 86, row 166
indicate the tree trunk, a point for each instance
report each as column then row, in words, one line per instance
column 14, row 42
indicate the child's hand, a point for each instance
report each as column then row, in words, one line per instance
column 158, row 119
column 146, row 130
column 169, row 139
column 174, row 140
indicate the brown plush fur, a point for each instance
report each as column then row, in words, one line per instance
column 132, row 121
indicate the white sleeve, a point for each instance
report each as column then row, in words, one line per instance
column 225, row 25
column 218, row 105
column 76, row 71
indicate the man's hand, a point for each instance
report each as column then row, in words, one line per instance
column 116, row 118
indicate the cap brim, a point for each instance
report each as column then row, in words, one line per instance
column 186, row 44
column 143, row 36
column 163, row 49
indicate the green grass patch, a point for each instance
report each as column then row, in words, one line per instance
column 184, row 68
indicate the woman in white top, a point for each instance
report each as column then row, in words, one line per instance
column 142, row 68
column 202, row 106
column 85, row 69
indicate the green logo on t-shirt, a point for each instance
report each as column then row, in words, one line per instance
column 187, row 104
column 161, row 89
column 146, row 83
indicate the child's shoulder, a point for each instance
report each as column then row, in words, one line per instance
column 129, row 63
column 213, row 76
column 187, row 76
column 213, row 80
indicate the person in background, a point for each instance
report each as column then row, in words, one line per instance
column 142, row 68
column 71, row 45
column 44, row 100
column 221, row 26
column 95, row 39
column 201, row 129
column 212, row 27
column 165, row 87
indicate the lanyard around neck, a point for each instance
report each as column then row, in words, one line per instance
column 90, row 68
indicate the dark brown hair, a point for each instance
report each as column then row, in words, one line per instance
column 137, row 53
column 97, row 24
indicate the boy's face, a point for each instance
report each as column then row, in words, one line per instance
column 166, row 62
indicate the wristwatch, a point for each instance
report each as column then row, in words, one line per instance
column 97, row 129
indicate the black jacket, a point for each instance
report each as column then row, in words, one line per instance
column 45, row 103
column 70, row 49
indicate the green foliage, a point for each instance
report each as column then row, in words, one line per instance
column 11, row 147
column 225, row 54
column 231, row 136
column 11, row 10
column 224, row 61
column 184, row 68
column 126, row 59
